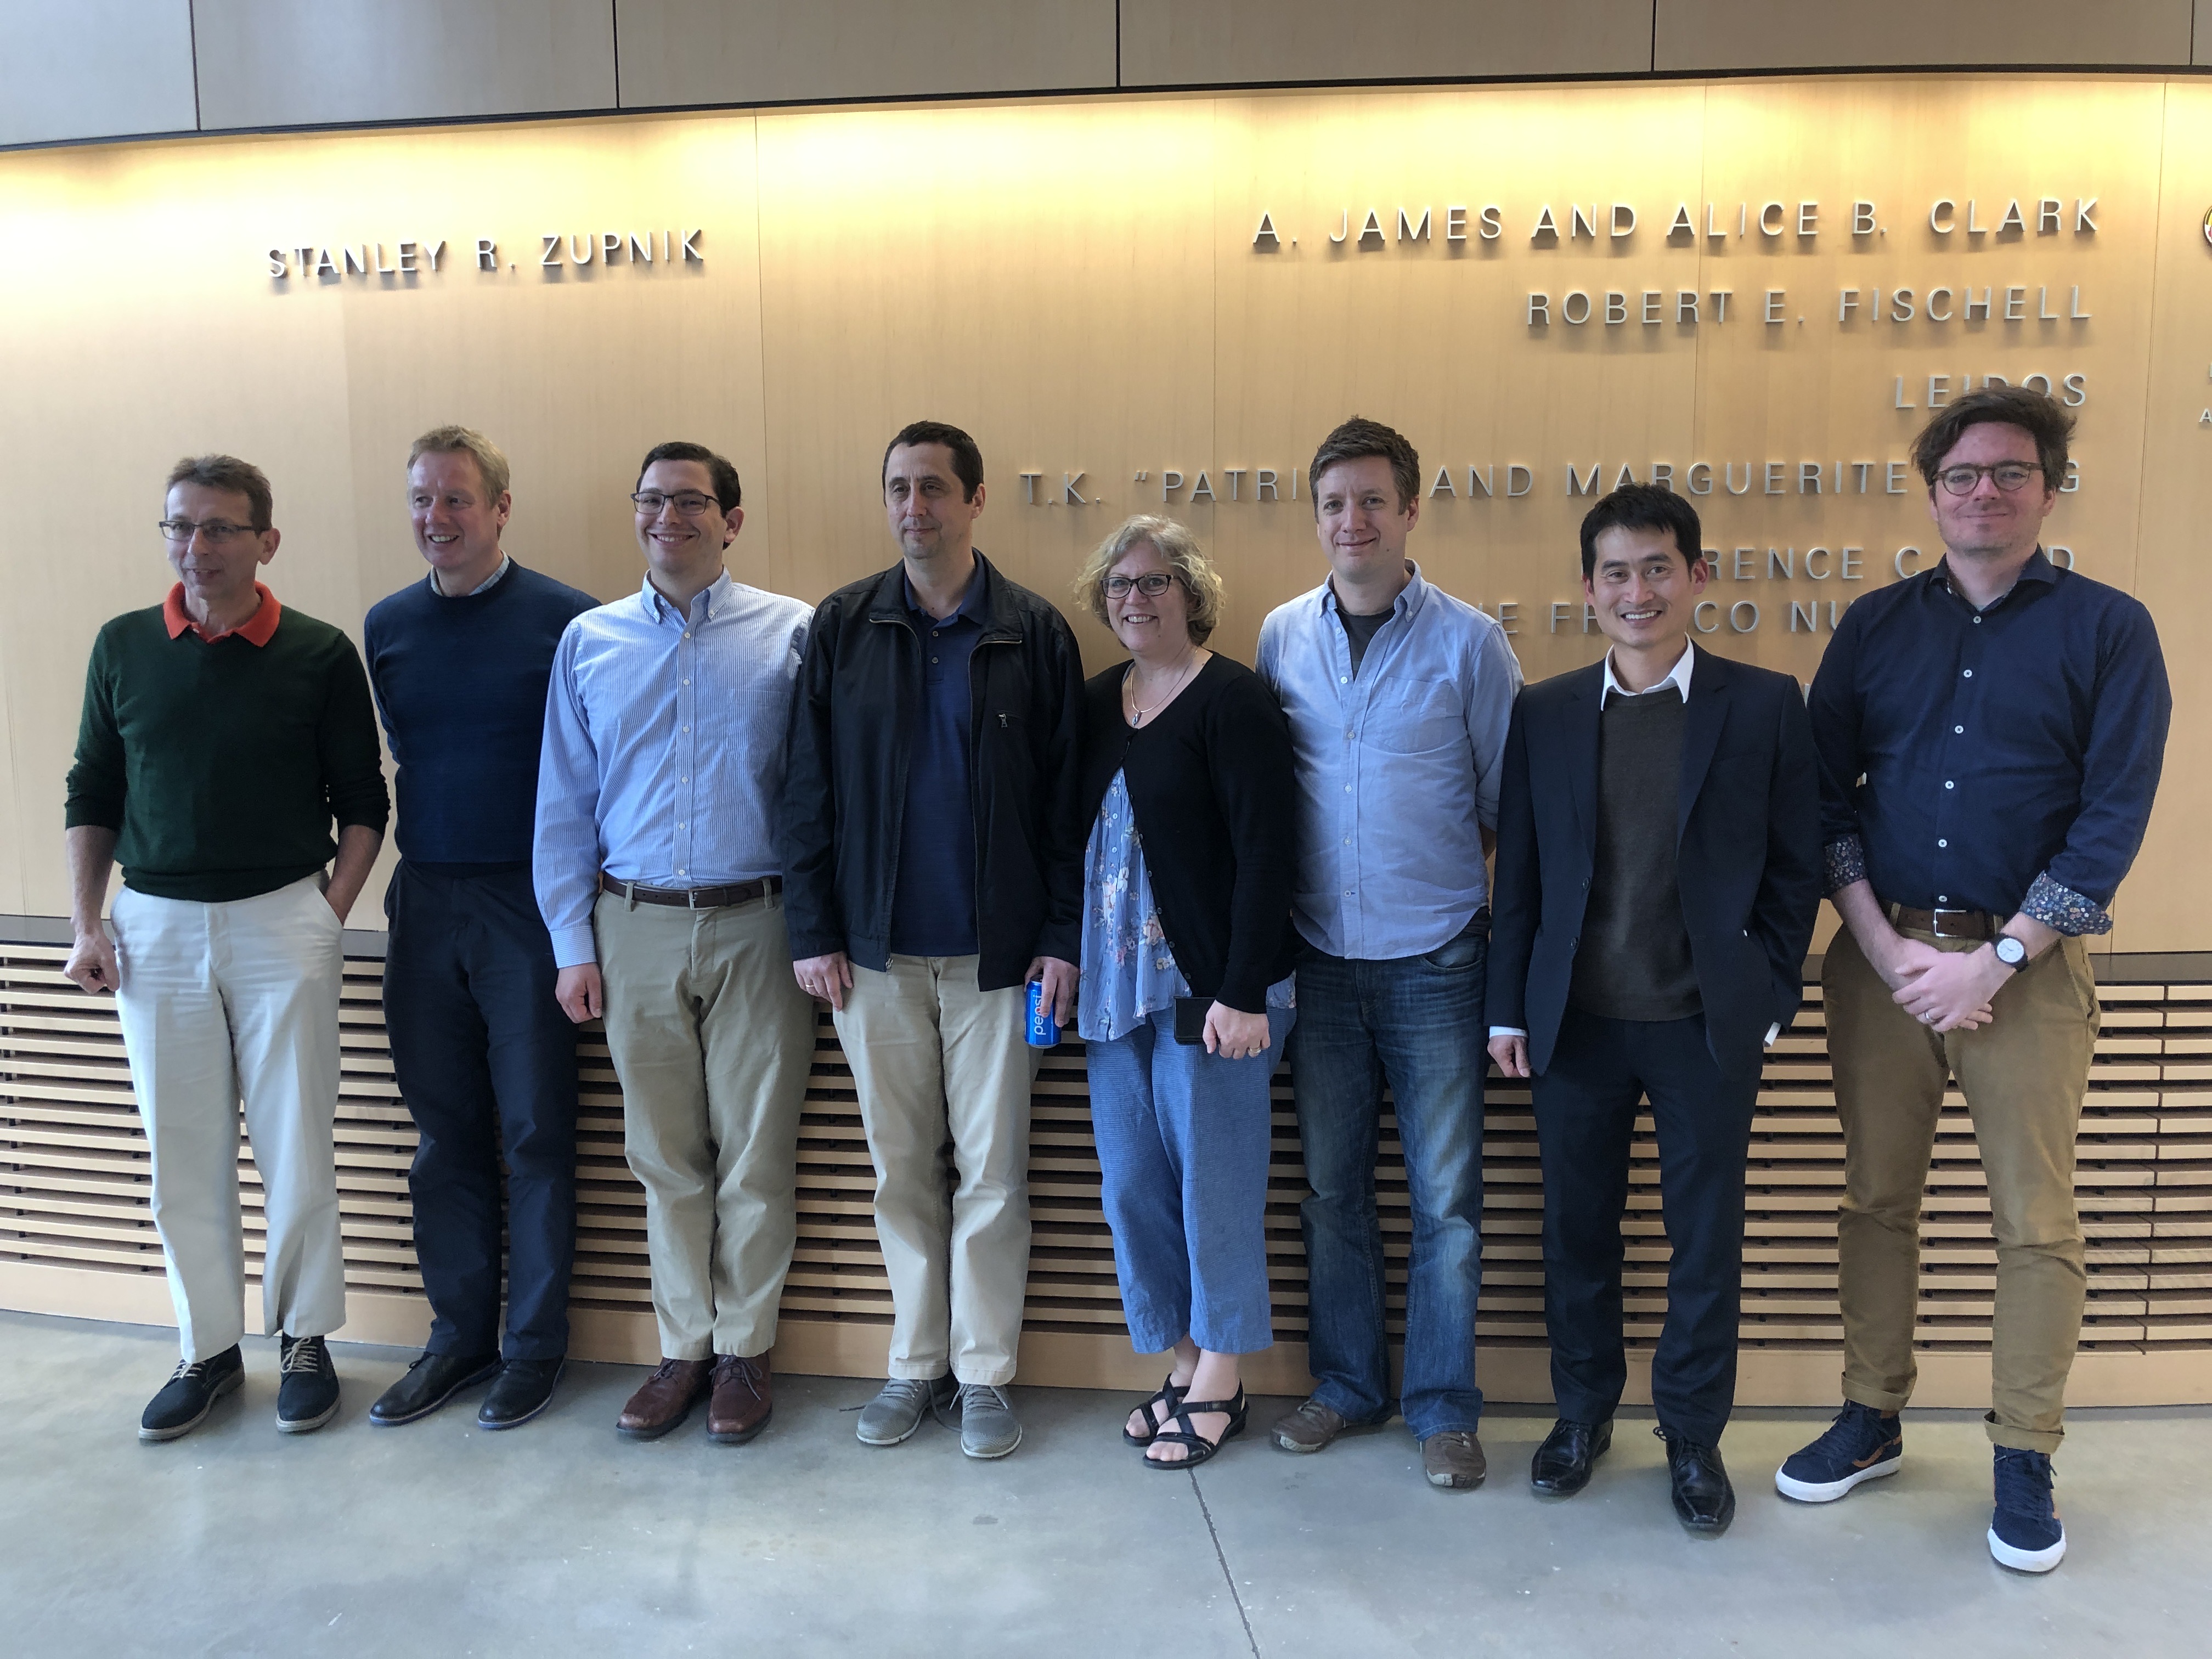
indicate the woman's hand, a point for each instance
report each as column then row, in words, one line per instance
column 1235, row 1035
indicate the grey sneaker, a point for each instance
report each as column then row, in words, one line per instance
column 989, row 1427
column 895, row 1412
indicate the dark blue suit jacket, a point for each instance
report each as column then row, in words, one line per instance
column 1748, row 853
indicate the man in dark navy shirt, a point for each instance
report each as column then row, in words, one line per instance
column 483, row 1056
column 1990, row 734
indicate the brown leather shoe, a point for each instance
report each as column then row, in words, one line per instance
column 742, row 1401
column 1454, row 1460
column 664, row 1400
column 1307, row 1429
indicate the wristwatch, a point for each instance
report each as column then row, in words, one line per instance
column 2010, row 951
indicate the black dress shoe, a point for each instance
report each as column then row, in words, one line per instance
column 1704, row 1500
column 524, row 1388
column 430, row 1381
column 1561, row 1467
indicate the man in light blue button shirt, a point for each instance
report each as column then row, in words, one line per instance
column 657, row 872
column 1399, row 697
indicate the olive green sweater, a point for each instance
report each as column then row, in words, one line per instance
column 221, row 766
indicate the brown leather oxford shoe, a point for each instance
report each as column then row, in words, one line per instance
column 665, row 1399
column 742, row 1402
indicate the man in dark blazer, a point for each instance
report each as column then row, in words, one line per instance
column 1658, row 871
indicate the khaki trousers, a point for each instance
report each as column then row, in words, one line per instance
column 712, row 1041
column 220, row 1002
column 2023, row 1075
column 943, row 1075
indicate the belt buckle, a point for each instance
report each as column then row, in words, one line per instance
column 1937, row 927
column 691, row 898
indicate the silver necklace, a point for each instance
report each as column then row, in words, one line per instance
column 1138, row 716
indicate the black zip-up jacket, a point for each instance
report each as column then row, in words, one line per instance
column 844, row 791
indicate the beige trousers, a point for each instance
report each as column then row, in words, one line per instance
column 2023, row 1075
column 221, row 1002
column 944, row 1076
column 712, row 1041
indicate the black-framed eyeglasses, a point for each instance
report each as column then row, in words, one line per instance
column 217, row 531
column 2008, row 476
column 1152, row 585
column 688, row 503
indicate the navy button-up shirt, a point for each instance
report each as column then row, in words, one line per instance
column 933, row 898
column 2001, row 760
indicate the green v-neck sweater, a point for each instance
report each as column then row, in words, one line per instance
column 221, row 766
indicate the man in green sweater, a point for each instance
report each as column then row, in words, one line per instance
column 222, row 735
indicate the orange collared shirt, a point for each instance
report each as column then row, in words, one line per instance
column 256, row 629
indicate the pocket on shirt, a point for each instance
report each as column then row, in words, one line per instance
column 1418, row 721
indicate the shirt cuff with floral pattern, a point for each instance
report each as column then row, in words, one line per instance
column 1847, row 862
column 2063, row 910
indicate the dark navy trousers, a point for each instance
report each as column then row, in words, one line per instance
column 486, row 1061
column 1585, row 1106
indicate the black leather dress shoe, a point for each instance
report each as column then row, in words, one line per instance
column 524, row 1388
column 430, row 1381
column 1704, row 1500
column 1562, row 1465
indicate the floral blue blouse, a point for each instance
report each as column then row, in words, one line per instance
column 1128, row 973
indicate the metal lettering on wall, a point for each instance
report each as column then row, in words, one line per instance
column 331, row 263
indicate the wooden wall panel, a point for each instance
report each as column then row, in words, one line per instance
column 75, row 1234
column 1751, row 34
column 1184, row 43
column 295, row 63
column 713, row 52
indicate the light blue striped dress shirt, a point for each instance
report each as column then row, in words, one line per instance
column 1398, row 766
column 664, row 748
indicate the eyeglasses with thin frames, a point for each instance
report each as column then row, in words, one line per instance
column 2008, row 476
column 688, row 503
column 1152, row 585
column 181, row 531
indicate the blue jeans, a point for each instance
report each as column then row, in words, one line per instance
column 1416, row 1022
column 1182, row 1140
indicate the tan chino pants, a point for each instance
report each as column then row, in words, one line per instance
column 2024, row 1075
column 713, row 1041
column 944, row 1076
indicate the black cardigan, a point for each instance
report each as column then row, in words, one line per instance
column 1209, row 783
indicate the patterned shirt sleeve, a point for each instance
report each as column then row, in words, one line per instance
column 1846, row 863
column 2063, row 910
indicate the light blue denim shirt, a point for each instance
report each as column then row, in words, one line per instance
column 664, row 750
column 1398, row 766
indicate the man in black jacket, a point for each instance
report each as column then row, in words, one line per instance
column 1658, row 872
column 932, row 848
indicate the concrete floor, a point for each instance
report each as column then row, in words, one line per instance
column 560, row 1538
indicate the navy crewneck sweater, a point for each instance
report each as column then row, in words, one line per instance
column 460, row 685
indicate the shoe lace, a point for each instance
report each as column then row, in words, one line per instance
column 984, row 1394
column 2024, row 1484
column 194, row 1368
column 304, row 1355
column 1850, row 1426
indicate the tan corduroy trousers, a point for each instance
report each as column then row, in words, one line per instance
column 2023, row 1075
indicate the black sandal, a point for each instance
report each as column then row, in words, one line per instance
column 1200, row 1448
column 1168, row 1394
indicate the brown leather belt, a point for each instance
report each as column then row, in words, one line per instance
column 1946, row 924
column 694, row 898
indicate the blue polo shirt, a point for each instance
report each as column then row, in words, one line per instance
column 933, row 896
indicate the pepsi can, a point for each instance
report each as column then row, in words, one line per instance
column 1044, row 1029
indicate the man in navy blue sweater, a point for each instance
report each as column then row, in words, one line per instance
column 483, row 1055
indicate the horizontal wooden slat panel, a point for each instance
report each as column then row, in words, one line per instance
column 74, row 1179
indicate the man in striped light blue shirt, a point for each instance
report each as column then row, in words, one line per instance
column 1399, row 696
column 657, row 872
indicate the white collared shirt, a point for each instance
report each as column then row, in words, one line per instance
column 1678, row 676
column 506, row 562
